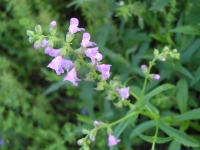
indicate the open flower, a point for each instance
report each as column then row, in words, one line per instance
column 54, row 52
column 73, row 28
column 104, row 69
column 93, row 54
column 112, row 140
column 124, row 92
column 58, row 63
column 72, row 77
column 86, row 40
column 44, row 43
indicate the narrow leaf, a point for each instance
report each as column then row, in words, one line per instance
column 184, row 71
column 142, row 127
column 122, row 125
column 174, row 145
column 187, row 30
column 196, row 77
column 159, row 4
column 190, row 115
column 156, row 91
column 159, row 140
column 182, row 95
column 180, row 136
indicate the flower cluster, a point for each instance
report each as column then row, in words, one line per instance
column 87, row 49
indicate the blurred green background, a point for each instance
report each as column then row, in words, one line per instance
column 40, row 111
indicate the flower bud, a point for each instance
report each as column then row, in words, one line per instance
column 110, row 95
column 69, row 37
column 53, row 27
column 100, row 86
column 166, row 49
column 96, row 123
column 85, row 131
column 38, row 29
column 31, row 40
column 37, row 44
column 30, row 33
column 81, row 141
column 156, row 52
column 89, row 77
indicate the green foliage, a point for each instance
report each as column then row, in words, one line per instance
column 39, row 111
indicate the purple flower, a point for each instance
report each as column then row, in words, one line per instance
column 96, row 123
column 73, row 28
column 104, row 69
column 112, row 140
column 124, row 92
column 47, row 49
column 44, row 43
column 93, row 54
column 86, row 40
column 54, row 52
column 143, row 67
column 53, row 24
column 72, row 77
column 93, row 139
column 163, row 59
column 58, row 64
column 36, row 46
column 156, row 77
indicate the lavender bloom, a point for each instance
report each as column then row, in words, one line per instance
column 47, row 49
column 44, row 43
column 86, row 40
column 54, row 52
column 104, row 69
column 96, row 123
column 163, row 59
column 124, row 92
column 72, row 77
column 156, row 77
column 36, row 46
column 92, row 139
column 143, row 67
column 93, row 54
column 112, row 140
column 58, row 63
column 53, row 24
column 73, row 28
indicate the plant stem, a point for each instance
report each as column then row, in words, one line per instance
column 155, row 136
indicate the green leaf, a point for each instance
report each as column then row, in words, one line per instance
column 192, row 48
column 187, row 30
column 196, row 77
column 156, row 91
column 182, row 95
column 180, row 136
column 135, row 92
column 54, row 87
column 184, row 71
column 159, row 140
column 159, row 4
column 84, row 119
column 122, row 125
column 190, row 115
column 174, row 145
column 142, row 127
